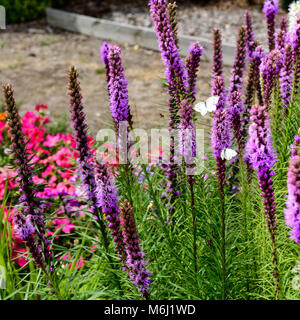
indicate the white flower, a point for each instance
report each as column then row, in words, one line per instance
column 207, row 106
column 293, row 16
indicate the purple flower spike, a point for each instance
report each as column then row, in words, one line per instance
column 296, row 59
column 251, row 45
column 270, row 9
column 172, row 7
column 292, row 213
column 192, row 66
column 217, row 55
column 235, row 110
column 218, row 89
column 85, row 159
column 108, row 201
column 286, row 76
column 118, row 88
column 135, row 257
column 221, row 132
column 269, row 68
column 282, row 36
column 262, row 158
column 174, row 69
column 236, row 81
column 188, row 134
column 104, row 51
column 29, row 218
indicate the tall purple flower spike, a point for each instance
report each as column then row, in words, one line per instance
column 172, row 7
column 262, row 157
column 118, row 87
column 188, row 134
column 218, row 89
column 218, row 84
column 85, row 159
column 270, row 9
column 292, row 211
column 174, row 68
column 286, row 76
column 177, row 85
column 28, row 219
column 192, row 66
column 253, row 85
column 282, row 35
column 251, row 45
column 236, row 81
column 104, row 51
column 235, row 111
column 269, row 68
column 135, row 256
column 108, row 201
column 295, row 40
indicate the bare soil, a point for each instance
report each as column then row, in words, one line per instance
column 37, row 65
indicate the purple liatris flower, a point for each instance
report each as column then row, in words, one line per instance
column 251, row 45
column 296, row 59
column 269, row 68
column 118, row 88
column 236, row 81
column 286, row 76
column 262, row 158
column 218, row 89
column 172, row 7
column 104, row 51
column 28, row 218
column 108, row 201
column 221, row 132
column 281, row 36
column 217, row 70
column 192, row 66
column 135, row 257
column 292, row 212
column 187, row 134
column 85, row 158
column 270, row 9
column 253, row 85
column 235, row 110
column 174, row 68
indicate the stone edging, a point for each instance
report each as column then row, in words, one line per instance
column 126, row 33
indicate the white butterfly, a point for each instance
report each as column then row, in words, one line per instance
column 207, row 106
column 228, row 154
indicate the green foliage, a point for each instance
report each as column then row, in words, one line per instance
column 26, row 10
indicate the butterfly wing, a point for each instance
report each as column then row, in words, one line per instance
column 201, row 107
column 211, row 103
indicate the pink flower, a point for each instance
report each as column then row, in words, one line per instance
column 67, row 226
column 93, row 248
column 48, row 171
column 63, row 157
column 19, row 255
column 38, row 107
column 51, row 141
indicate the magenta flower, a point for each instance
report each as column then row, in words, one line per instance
column 108, row 201
column 118, row 87
column 262, row 158
column 135, row 256
column 269, row 68
column 192, row 66
column 286, row 76
column 292, row 213
column 270, row 9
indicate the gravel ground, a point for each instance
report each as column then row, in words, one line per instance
column 36, row 63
